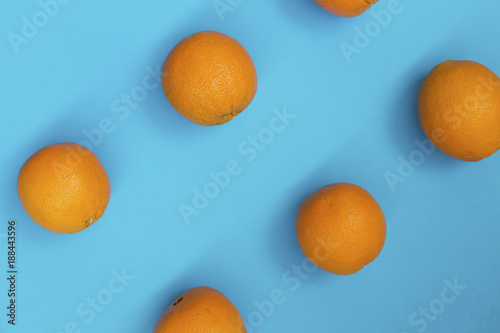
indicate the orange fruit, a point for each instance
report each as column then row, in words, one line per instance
column 203, row 310
column 341, row 228
column 459, row 109
column 63, row 187
column 209, row 78
column 346, row 8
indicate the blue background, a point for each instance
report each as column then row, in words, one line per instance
column 353, row 123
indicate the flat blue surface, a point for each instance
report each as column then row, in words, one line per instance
column 353, row 122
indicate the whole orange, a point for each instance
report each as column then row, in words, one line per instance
column 201, row 310
column 209, row 78
column 341, row 228
column 459, row 109
column 63, row 187
column 346, row 8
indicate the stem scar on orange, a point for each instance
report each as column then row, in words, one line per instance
column 64, row 188
column 341, row 228
column 201, row 310
column 346, row 8
column 209, row 78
